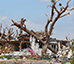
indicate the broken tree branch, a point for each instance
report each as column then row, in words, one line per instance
column 22, row 23
column 26, row 30
column 65, row 7
column 56, row 10
column 31, row 33
column 67, row 12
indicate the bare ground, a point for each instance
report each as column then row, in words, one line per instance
column 13, row 61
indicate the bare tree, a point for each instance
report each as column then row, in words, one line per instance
column 60, row 13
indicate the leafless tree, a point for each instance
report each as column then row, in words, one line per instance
column 60, row 13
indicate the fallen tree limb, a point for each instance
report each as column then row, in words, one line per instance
column 31, row 33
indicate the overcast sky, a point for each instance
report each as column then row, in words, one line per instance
column 34, row 11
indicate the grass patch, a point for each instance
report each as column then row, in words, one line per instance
column 40, row 58
column 44, row 58
column 71, row 61
column 10, row 57
column 72, row 48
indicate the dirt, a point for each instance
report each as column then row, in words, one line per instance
column 13, row 61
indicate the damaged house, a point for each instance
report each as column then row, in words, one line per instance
column 37, row 46
column 19, row 43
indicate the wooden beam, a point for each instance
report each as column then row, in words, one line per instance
column 20, row 47
column 3, row 34
column 52, row 43
column 1, row 41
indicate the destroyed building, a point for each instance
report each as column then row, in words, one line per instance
column 19, row 42
column 17, row 45
column 53, row 42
